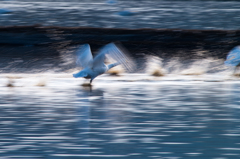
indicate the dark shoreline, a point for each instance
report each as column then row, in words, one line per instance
column 166, row 43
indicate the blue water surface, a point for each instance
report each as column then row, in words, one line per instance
column 135, row 120
column 178, row 14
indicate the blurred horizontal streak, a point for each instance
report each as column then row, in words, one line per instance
column 88, row 155
column 162, row 42
column 40, row 48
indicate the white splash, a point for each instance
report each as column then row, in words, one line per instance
column 154, row 66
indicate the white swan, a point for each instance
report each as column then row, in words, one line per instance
column 233, row 58
column 93, row 67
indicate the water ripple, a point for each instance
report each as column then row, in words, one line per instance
column 160, row 120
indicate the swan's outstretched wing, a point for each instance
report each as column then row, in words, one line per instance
column 118, row 55
column 84, row 56
column 233, row 57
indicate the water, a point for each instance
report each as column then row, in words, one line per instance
column 191, row 111
column 130, row 116
column 144, row 14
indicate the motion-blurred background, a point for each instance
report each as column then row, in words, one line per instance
column 181, row 102
column 180, row 14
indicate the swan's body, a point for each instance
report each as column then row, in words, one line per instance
column 91, row 73
column 93, row 67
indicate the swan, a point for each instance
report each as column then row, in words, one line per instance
column 93, row 67
column 233, row 58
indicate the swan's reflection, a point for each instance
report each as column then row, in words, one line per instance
column 85, row 102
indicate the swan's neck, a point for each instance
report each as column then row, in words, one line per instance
column 113, row 65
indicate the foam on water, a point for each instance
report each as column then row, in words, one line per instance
column 154, row 66
column 155, row 69
column 66, row 80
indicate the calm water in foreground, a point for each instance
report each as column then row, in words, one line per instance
column 134, row 117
